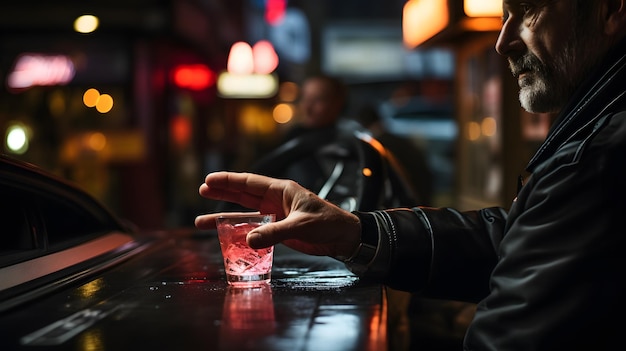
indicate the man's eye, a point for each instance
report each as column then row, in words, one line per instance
column 525, row 8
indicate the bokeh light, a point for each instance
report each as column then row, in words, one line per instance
column 16, row 139
column 105, row 103
column 288, row 91
column 97, row 141
column 86, row 23
column 240, row 60
column 264, row 57
column 480, row 8
column 473, row 131
column 90, row 97
column 283, row 113
column 489, row 126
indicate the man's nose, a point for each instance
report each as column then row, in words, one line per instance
column 510, row 43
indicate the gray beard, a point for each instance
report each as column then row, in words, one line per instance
column 536, row 97
column 547, row 87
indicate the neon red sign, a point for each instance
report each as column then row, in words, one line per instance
column 194, row 77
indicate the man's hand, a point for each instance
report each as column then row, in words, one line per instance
column 304, row 221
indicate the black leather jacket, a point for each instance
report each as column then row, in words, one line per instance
column 551, row 273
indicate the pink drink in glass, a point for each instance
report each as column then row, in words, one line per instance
column 244, row 266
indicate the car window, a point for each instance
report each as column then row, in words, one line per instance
column 40, row 214
column 15, row 231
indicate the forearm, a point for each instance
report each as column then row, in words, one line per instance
column 439, row 252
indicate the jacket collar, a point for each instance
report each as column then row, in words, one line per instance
column 600, row 93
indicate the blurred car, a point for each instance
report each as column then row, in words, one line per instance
column 434, row 125
column 51, row 229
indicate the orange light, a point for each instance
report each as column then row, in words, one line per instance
column 483, row 8
column 422, row 19
column 105, row 103
column 240, row 59
column 97, row 141
column 482, row 24
column 194, row 77
column 489, row 126
column 283, row 113
column 102, row 102
column 288, row 91
column 378, row 146
column 90, row 97
column 180, row 129
column 473, row 131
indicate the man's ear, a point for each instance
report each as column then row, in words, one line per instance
column 615, row 17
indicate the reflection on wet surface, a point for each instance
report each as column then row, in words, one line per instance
column 248, row 314
column 178, row 299
column 317, row 280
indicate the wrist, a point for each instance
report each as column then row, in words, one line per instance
column 365, row 252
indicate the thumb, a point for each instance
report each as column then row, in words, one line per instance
column 267, row 235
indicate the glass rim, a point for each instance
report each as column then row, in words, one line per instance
column 246, row 215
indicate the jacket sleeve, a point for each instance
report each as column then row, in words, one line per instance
column 441, row 253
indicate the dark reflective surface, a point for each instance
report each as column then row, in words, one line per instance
column 248, row 315
column 173, row 296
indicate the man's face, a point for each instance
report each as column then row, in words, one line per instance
column 318, row 105
column 547, row 51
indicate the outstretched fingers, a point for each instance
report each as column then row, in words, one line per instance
column 235, row 187
column 238, row 182
column 249, row 190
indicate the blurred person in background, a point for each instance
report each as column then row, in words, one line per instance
column 321, row 103
column 550, row 272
